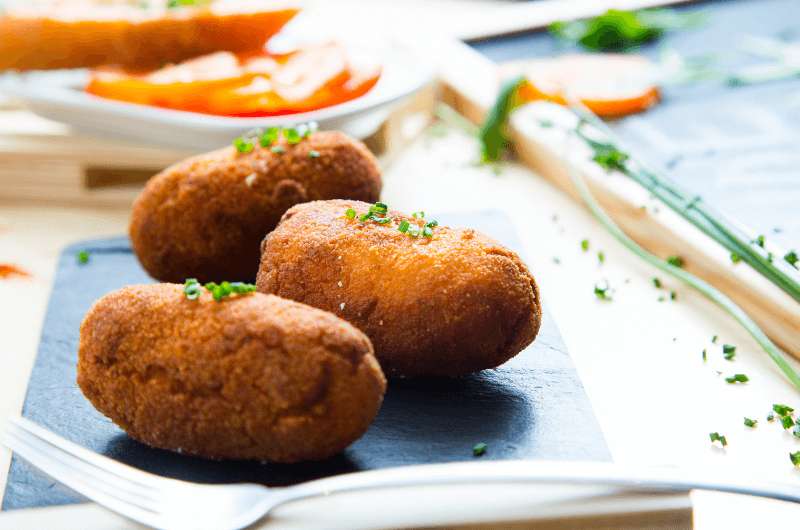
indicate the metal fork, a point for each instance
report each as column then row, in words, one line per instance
column 167, row 503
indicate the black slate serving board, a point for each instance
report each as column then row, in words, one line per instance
column 532, row 407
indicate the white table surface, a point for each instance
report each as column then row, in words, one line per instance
column 640, row 359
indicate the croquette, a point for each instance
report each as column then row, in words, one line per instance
column 205, row 217
column 80, row 33
column 249, row 377
column 445, row 305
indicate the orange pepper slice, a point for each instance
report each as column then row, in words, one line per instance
column 245, row 85
column 610, row 85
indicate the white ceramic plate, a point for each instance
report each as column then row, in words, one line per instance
column 59, row 96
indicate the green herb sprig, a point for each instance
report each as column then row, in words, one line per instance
column 192, row 289
column 617, row 30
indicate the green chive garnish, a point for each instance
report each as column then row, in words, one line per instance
column 657, row 283
column 675, row 261
column 749, row 422
column 782, row 410
column 584, row 245
column 403, row 227
column 82, row 257
column 728, row 351
column 735, row 258
column 717, row 437
column 192, row 289
column 313, row 154
column 795, row 458
column 737, row 378
column 292, row 135
column 242, row 145
column 277, row 149
column 427, row 232
column 269, row 137
column 787, row 422
column 479, row 449
column 350, row 213
column 602, row 291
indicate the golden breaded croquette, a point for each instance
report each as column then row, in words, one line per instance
column 205, row 217
column 249, row 377
column 450, row 304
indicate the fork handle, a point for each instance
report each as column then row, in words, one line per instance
column 540, row 472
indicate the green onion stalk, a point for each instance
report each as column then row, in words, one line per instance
column 692, row 208
column 700, row 285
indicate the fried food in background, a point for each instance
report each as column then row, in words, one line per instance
column 78, row 33
column 248, row 377
column 450, row 304
column 252, row 84
column 205, row 217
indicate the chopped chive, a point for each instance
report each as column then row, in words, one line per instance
column 795, row 458
column 717, row 437
column 601, row 257
column 479, row 449
column 796, row 430
column 269, row 137
column 379, row 208
column 433, row 224
column 656, row 283
column 737, row 378
column 350, row 213
column 770, row 417
column 584, row 245
column 382, row 220
column 277, row 149
column 787, row 422
column 760, row 240
column 782, row 410
column 714, row 339
column 364, row 217
column 673, row 295
column 313, row 154
column 675, row 261
column 418, row 215
column 403, row 227
column 427, row 232
column 791, row 258
column 243, row 145
column 82, row 257
column 602, row 291
column 192, row 289
column 728, row 351
column 735, row 258
column 705, row 355
column 292, row 135
column 749, row 422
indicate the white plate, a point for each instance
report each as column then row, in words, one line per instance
column 59, row 96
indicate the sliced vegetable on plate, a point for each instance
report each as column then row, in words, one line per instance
column 610, row 85
column 254, row 84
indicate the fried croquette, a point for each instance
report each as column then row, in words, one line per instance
column 449, row 304
column 205, row 217
column 75, row 33
column 248, row 377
